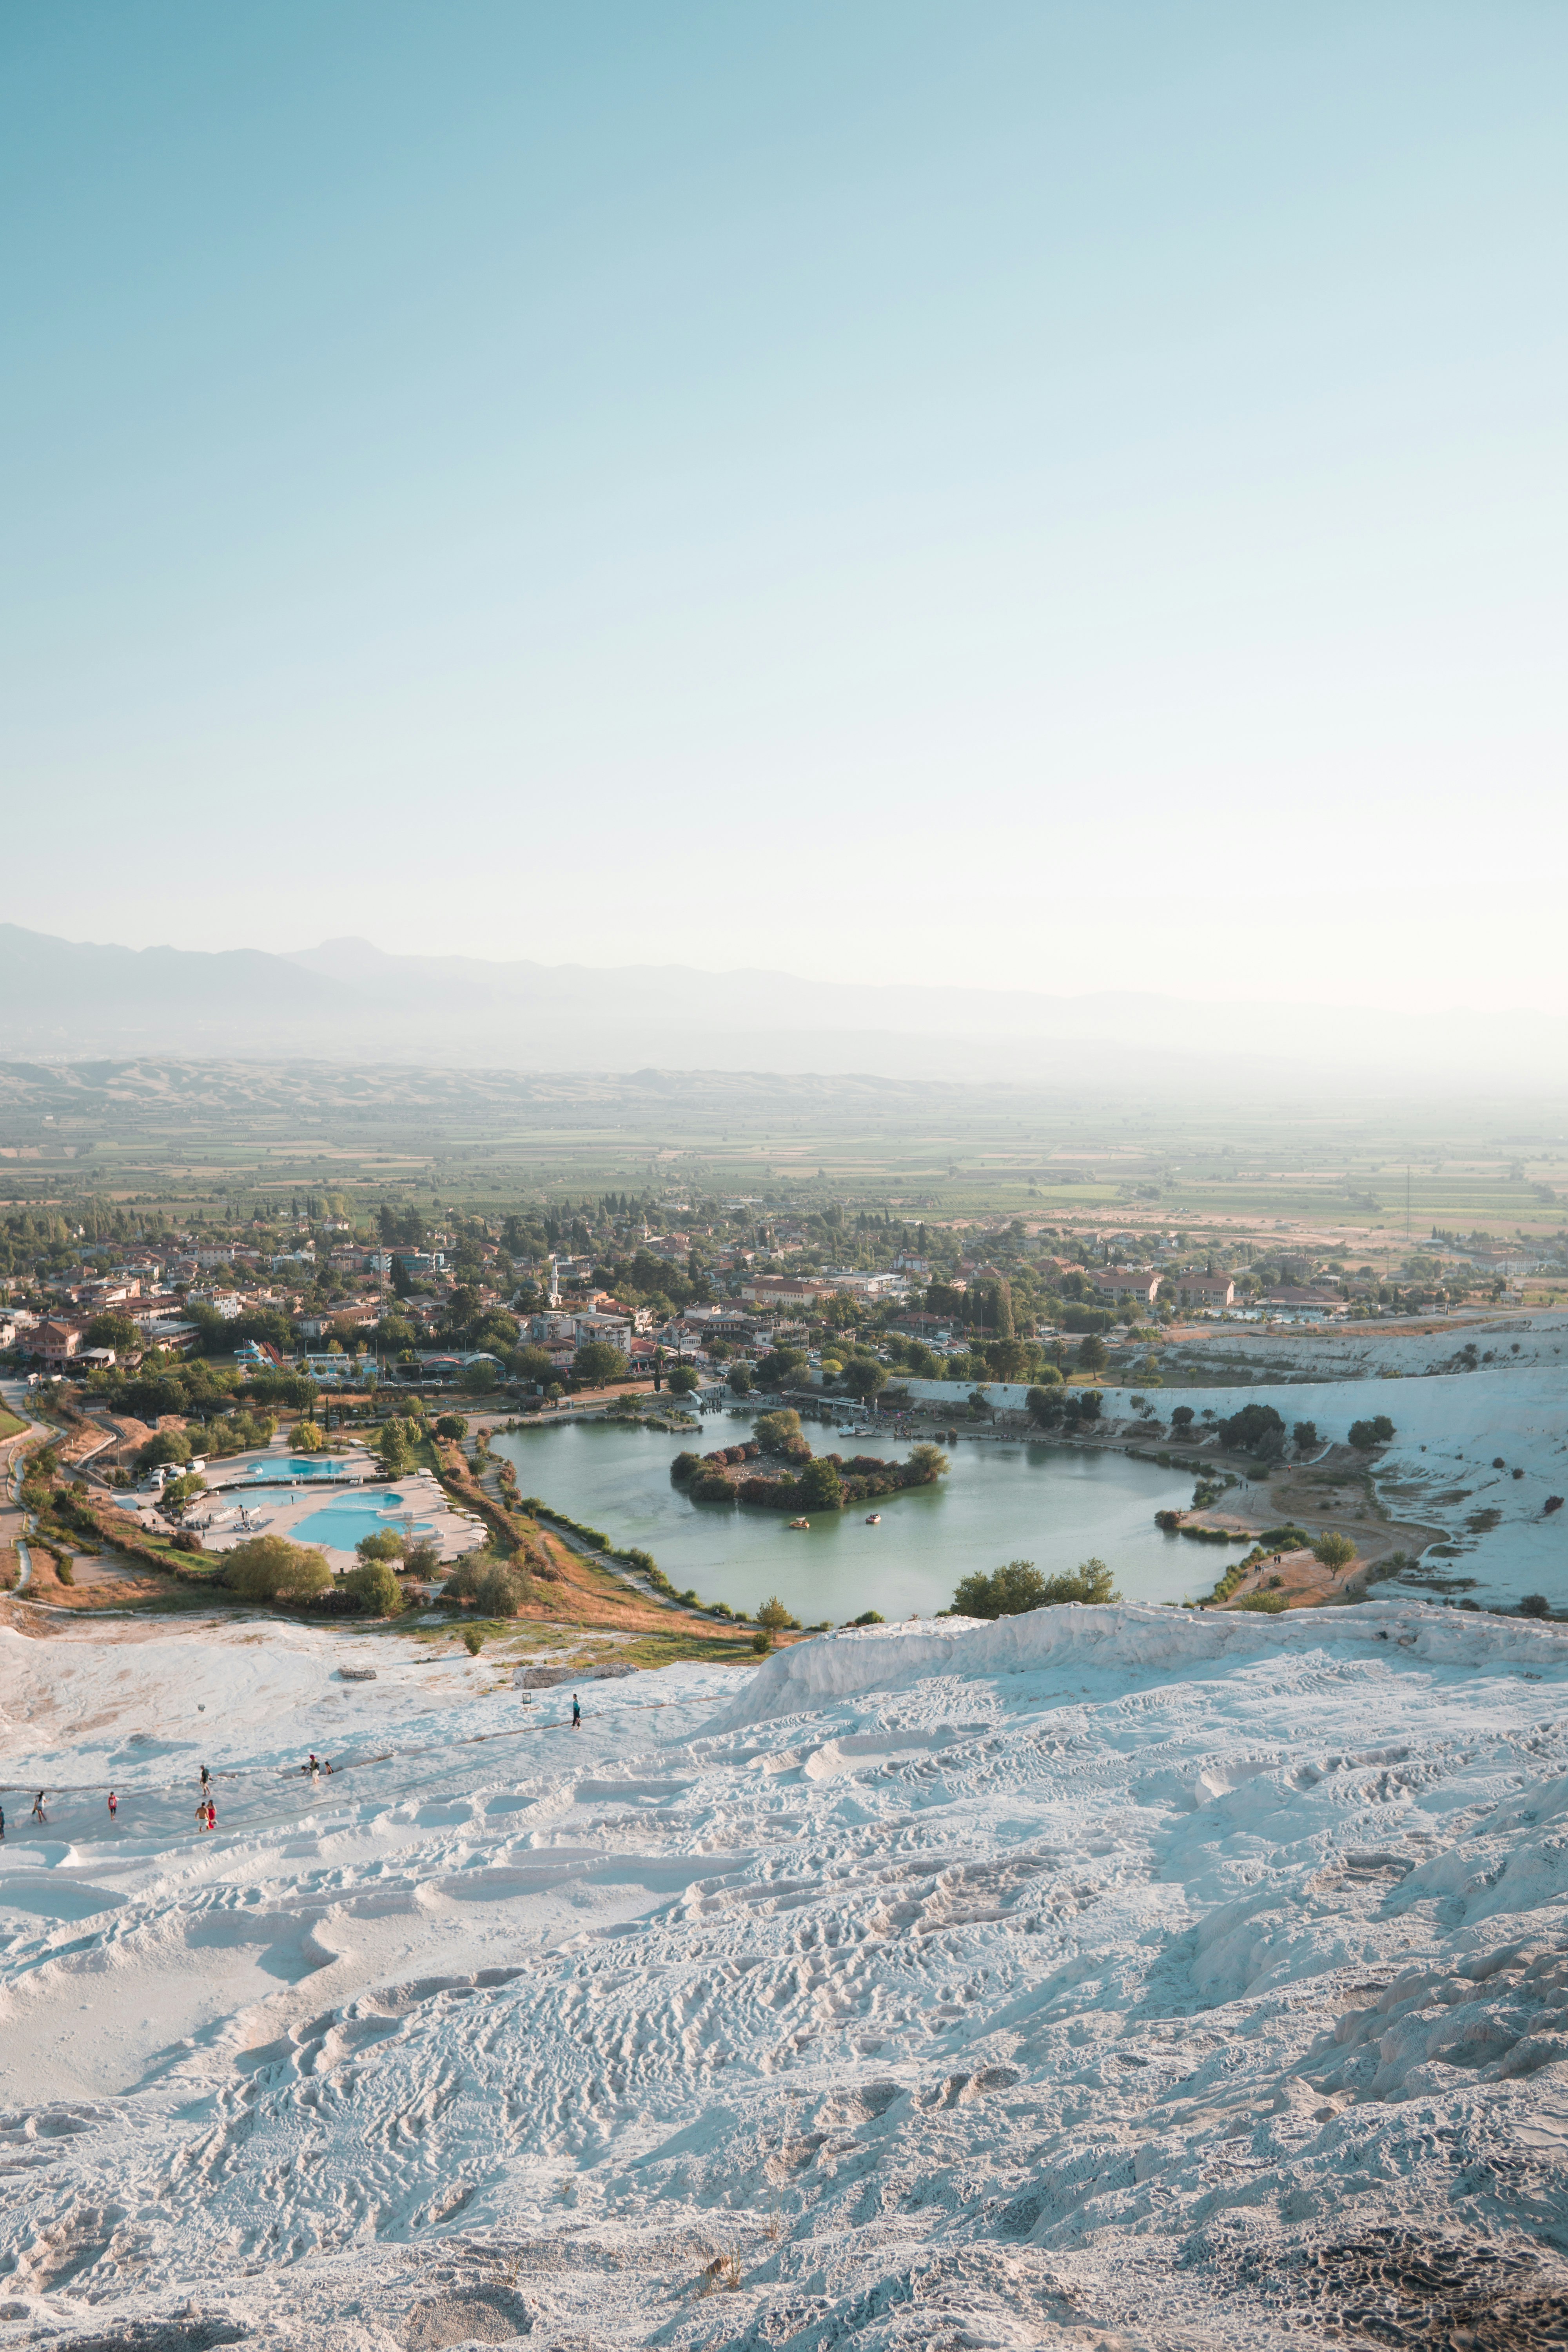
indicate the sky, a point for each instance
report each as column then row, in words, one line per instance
column 1044, row 496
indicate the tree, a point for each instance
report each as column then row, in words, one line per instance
column 374, row 1588
column 168, row 1445
column 477, row 1378
column 1092, row 1353
column 496, row 1331
column 1535, row 1604
column 597, row 1361
column 422, row 1558
column 473, row 1640
column 533, row 1366
column 452, row 1425
column 929, row 1463
column 779, row 1433
column 1304, row 1436
column 1044, row 1404
column 307, row 1436
column 1181, row 1421
column 739, row 1380
column 682, row 1380
column 393, row 1449
column 1333, row 1550
column 864, row 1377
column 1256, row 1429
column 178, row 1492
column 116, row 1331
column 1007, row 1360
column 501, row 1591
column 821, row 1488
column 776, row 1617
column 1365, row 1434
column 269, row 1567
column 385, row 1543
column 778, row 1365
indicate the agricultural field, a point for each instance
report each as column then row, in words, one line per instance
column 223, row 1137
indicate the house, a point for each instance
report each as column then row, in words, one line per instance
column 1126, row 1284
column 1306, row 1299
column 56, row 1342
column 718, row 1322
column 617, row 1329
column 1205, row 1289
column 786, row 1290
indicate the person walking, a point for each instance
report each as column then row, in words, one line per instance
column 576, row 1713
column 2, row 1824
column 39, row 1812
column 202, row 1813
column 113, row 1806
column 206, row 1780
column 212, row 1814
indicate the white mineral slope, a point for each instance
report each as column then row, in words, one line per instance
column 1450, row 1429
column 1111, row 1977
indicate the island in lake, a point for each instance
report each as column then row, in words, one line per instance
column 776, row 1470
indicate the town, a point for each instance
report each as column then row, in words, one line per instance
column 730, row 1291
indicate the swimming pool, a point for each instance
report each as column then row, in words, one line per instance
column 300, row 1466
column 341, row 1523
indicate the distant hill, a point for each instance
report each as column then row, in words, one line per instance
column 347, row 1001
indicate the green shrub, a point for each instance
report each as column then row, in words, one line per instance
column 385, row 1543
column 1019, row 1588
column 473, row 1640
column 501, row 1591
column 1333, row 1550
column 269, row 1567
column 1263, row 1605
column 374, row 1588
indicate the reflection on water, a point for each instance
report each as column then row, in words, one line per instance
column 1016, row 1500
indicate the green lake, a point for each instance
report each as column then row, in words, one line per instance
column 1055, row 1505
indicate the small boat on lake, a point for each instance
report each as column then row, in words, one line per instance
column 873, row 1518
column 798, row 1523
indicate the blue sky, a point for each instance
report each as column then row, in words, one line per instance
column 1022, row 494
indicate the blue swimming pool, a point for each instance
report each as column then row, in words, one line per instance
column 340, row 1523
column 300, row 1466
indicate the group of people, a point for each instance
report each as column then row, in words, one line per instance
column 206, row 1812
column 38, row 1813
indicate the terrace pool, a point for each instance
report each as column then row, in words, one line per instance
column 341, row 1524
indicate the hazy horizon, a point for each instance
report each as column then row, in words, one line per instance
column 1047, row 499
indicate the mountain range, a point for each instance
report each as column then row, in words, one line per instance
column 348, row 1001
